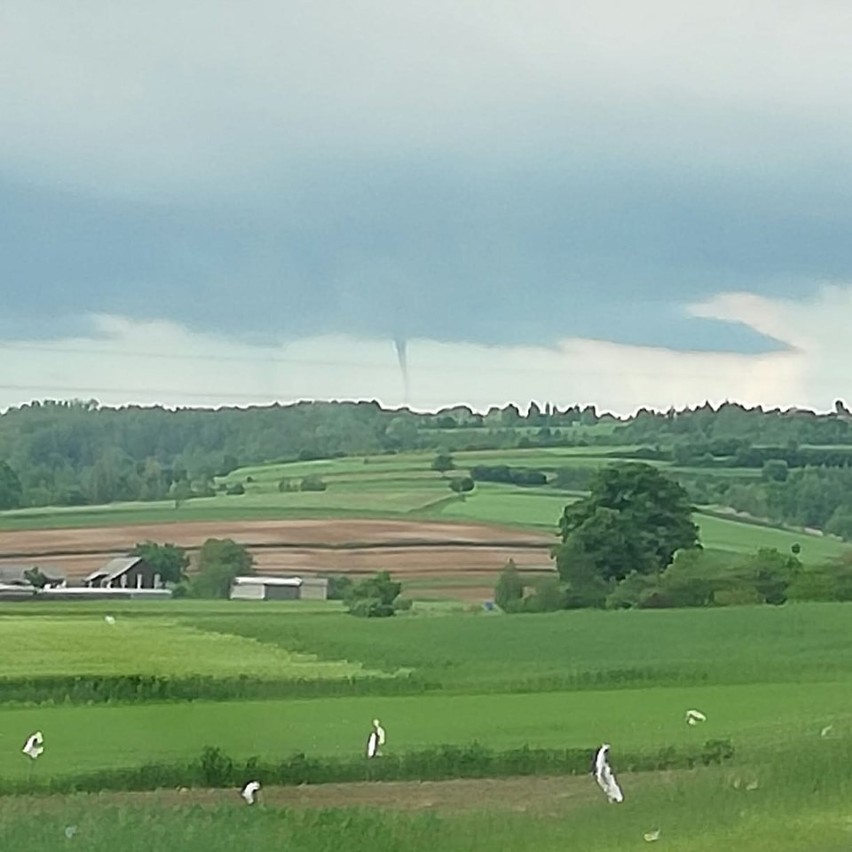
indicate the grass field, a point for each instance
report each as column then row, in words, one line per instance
column 725, row 645
column 755, row 717
column 404, row 486
column 800, row 804
column 54, row 645
column 768, row 678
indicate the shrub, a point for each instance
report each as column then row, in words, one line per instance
column 235, row 488
column 374, row 597
column 443, row 462
column 339, row 587
column 547, row 596
column 461, row 484
column 312, row 483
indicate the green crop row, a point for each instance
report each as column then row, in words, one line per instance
column 214, row 768
column 132, row 689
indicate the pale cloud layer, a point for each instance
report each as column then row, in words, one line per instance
column 158, row 97
column 147, row 363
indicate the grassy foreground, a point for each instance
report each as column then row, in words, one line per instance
column 800, row 804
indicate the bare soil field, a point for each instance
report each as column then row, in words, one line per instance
column 421, row 550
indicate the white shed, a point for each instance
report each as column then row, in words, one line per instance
column 279, row 588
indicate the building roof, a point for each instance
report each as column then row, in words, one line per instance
column 114, row 568
column 267, row 581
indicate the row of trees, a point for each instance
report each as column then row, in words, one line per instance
column 79, row 452
column 632, row 543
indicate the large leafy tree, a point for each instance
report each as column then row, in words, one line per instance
column 634, row 519
column 219, row 562
column 168, row 560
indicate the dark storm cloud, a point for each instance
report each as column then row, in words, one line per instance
column 519, row 260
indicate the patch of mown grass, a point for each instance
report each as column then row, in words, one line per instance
column 155, row 647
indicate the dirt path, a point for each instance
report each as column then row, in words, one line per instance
column 546, row 795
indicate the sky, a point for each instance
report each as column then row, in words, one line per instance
column 616, row 203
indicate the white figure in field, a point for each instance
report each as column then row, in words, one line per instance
column 109, row 619
column 604, row 776
column 250, row 791
column 376, row 740
column 651, row 836
column 693, row 717
column 70, row 831
column 826, row 730
column 34, row 746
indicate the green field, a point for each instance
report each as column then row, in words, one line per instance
column 403, row 486
column 636, row 720
column 768, row 678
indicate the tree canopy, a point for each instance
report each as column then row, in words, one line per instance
column 634, row 519
column 220, row 561
column 168, row 560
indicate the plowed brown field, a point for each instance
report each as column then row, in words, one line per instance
column 470, row 555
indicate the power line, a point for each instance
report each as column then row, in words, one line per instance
column 315, row 362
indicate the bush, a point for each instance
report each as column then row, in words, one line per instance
column 339, row 587
column 461, row 484
column 374, row 597
column 548, row 596
column 312, row 483
column 443, row 462
column 371, row 608
column 831, row 581
column 235, row 488
column 505, row 474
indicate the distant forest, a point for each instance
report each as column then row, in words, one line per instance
column 789, row 466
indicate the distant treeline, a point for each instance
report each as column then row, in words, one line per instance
column 78, row 452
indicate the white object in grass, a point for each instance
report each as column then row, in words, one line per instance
column 250, row 791
column 826, row 730
column 651, row 836
column 34, row 746
column 109, row 619
column 376, row 740
column 693, row 717
column 605, row 777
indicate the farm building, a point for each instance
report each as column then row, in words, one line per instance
column 124, row 572
column 279, row 588
column 17, row 575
